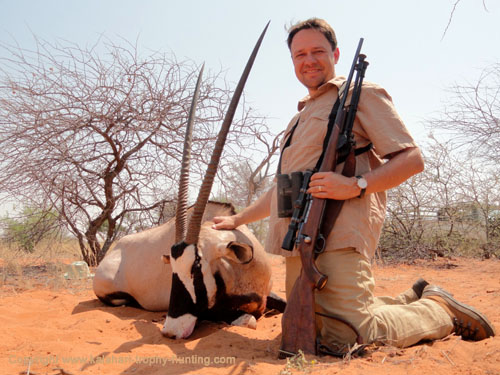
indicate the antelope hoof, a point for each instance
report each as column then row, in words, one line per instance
column 246, row 320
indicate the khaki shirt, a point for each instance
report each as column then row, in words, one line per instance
column 360, row 221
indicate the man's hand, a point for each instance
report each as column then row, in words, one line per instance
column 224, row 222
column 258, row 210
column 331, row 185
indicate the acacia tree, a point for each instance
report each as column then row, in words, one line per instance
column 461, row 176
column 96, row 133
column 472, row 115
column 252, row 175
column 403, row 231
column 480, row 186
column 442, row 210
column 247, row 179
column 472, row 119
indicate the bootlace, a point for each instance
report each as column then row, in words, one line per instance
column 465, row 329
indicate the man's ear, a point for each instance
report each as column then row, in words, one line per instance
column 238, row 252
column 336, row 54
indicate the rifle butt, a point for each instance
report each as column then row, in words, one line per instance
column 298, row 324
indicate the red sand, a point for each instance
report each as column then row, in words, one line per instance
column 54, row 330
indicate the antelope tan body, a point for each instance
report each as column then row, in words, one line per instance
column 133, row 271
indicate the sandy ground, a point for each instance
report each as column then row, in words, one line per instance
column 49, row 326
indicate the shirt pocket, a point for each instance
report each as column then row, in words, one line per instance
column 311, row 131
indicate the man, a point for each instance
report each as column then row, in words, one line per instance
column 423, row 311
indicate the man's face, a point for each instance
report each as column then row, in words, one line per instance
column 313, row 58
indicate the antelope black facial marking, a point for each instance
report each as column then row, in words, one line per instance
column 227, row 307
column 193, row 289
column 182, row 298
column 182, row 259
column 178, row 249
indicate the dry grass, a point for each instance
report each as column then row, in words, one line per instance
column 45, row 267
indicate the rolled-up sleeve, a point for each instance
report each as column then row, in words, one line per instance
column 380, row 123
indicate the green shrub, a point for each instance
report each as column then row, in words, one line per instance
column 32, row 226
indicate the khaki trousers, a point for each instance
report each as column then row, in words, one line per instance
column 401, row 321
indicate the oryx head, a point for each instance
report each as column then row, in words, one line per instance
column 194, row 282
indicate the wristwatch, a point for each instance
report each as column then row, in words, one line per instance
column 362, row 184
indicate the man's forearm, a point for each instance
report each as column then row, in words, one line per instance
column 396, row 171
column 258, row 210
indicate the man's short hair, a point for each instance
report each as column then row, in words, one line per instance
column 316, row 24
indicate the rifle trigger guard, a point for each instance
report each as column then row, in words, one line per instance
column 320, row 244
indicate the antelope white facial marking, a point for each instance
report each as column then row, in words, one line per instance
column 179, row 328
column 209, row 281
column 182, row 267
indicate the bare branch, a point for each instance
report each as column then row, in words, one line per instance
column 449, row 20
column 98, row 131
column 452, row 14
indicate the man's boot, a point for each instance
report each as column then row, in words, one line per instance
column 419, row 286
column 468, row 322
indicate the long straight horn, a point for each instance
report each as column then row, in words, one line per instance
column 181, row 213
column 206, row 187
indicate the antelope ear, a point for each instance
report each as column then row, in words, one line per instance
column 239, row 252
column 165, row 259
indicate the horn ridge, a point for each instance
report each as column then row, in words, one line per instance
column 181, row 211
column 201, row 202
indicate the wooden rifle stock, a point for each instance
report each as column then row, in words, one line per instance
column 300, row 334
column 298, row 324
column 299, row 319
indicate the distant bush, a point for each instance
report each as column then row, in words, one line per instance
column 430, row 239
column 31, row 227
column 492, row 246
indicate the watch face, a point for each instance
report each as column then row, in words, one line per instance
column 362, row 183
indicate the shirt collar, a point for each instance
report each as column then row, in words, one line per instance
column 334, row 82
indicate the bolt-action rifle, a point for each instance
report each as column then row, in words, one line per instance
column 313, row 219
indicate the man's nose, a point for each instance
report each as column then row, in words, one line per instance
column 309, row 59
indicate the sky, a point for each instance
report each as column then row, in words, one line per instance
column 403, row 41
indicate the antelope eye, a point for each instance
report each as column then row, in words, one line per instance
column 196, row 266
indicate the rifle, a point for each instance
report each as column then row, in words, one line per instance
column 299, row 319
